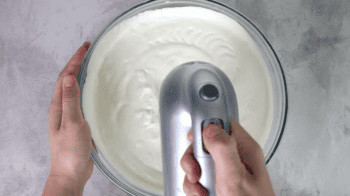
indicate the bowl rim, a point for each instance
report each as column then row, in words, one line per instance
column 83, row 73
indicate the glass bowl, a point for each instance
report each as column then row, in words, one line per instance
column 273, row 70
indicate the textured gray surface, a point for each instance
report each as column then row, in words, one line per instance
column 311, row 38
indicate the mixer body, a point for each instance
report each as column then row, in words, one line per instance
column 192, row 96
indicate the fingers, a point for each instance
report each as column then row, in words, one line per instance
column 75, row 62
column 223, row 150
column 190, row 165
column 249, row 149
column 72, row 68
column 71, row 111
column 193, row 188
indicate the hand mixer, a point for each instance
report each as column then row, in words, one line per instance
column 192, row 96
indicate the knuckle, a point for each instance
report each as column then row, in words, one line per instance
column 76, row 121
column 221, row 145
column 185, row 165
column 186, row 187
column 193, row 188
column 74, row 124
column 215, row 135
column 197, row 190
column 70, row 92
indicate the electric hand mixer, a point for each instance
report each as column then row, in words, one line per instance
column 192, row 96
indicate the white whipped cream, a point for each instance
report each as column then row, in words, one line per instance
column 126, row 70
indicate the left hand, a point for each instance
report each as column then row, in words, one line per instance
column 69, row 133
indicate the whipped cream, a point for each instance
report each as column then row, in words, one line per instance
column 126, row 70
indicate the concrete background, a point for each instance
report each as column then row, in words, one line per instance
column 311, row 38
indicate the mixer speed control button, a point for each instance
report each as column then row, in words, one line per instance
column 216, row 121
column 209, row 92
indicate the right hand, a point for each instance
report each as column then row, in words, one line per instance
column 239, row 163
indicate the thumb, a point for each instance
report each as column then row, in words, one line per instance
column 223, row 150
column 71, row 111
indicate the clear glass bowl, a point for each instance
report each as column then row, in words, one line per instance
column 273, row 70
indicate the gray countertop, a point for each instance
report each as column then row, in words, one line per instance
column 311, row 38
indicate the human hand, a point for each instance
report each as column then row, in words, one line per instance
column 69, row 133
column 239, row 163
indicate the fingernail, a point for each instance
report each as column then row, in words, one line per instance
column 213, row 132
column 86, row 45
column 68, row 81
column 191, row 178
